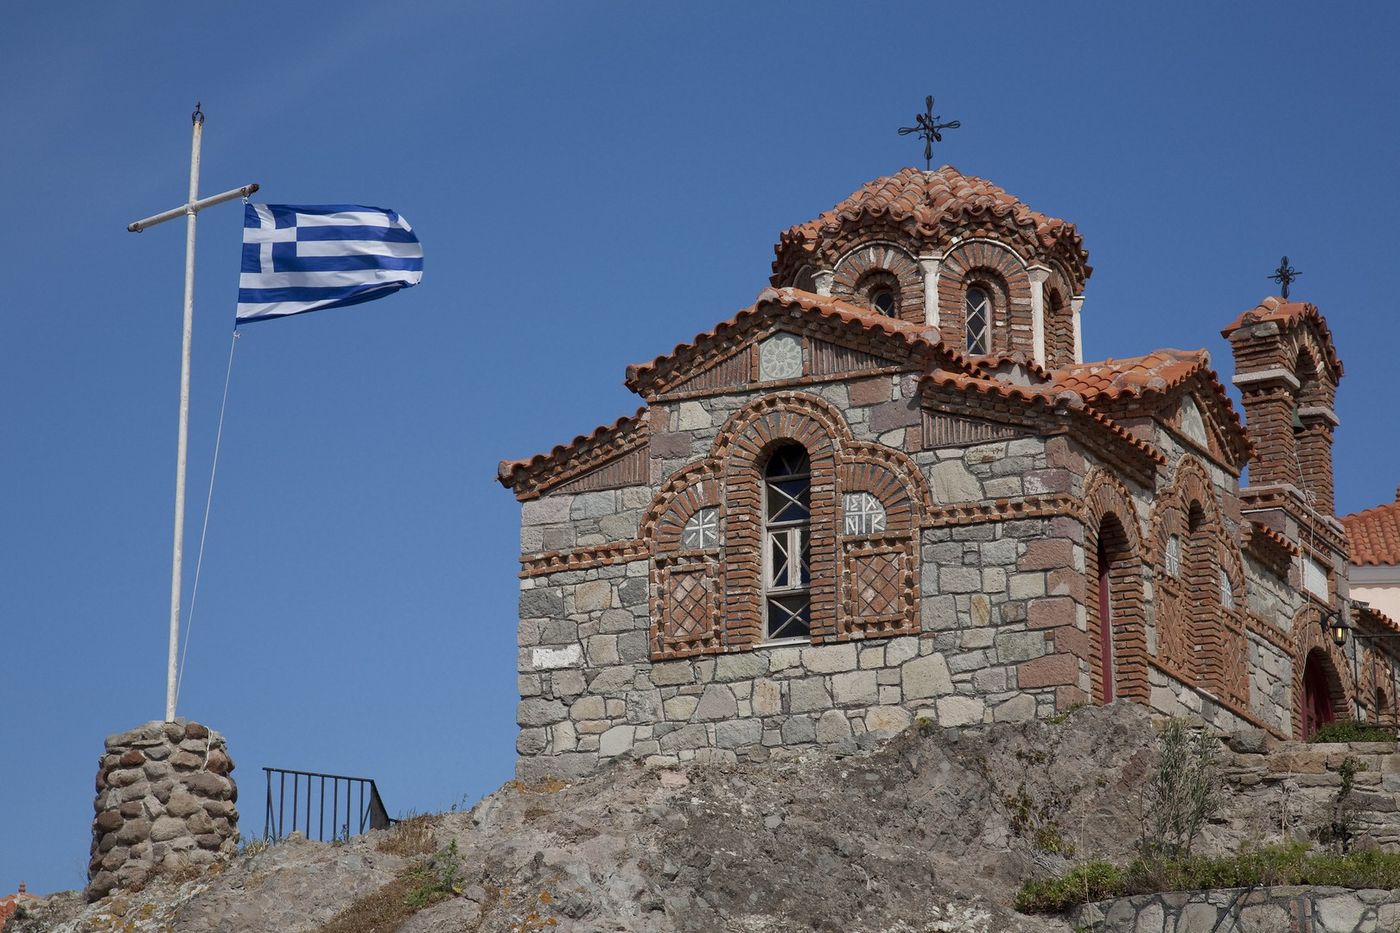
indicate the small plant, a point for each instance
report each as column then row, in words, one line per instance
column 1338, row 832
column 1183, row 793
column 438, row 878
column 252, row 845
column 1349, row 730
column 1062, row 717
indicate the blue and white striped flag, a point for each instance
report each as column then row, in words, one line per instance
column 300, row 257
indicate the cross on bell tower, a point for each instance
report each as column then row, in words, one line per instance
column 1284, row 275
column 927, row 126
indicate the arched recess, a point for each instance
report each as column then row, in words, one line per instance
column 1186, row 581
column 741, row 451
column 999, row 270
column 872, row 264
column 1228, row 674
column 1310, row 642
column 880, row 566
column 685, row 593
column 1114, row 571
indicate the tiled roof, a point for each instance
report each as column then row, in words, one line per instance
column 1159, row 371
column 1285, row 312
column 1151, row 375
column 1375, row 534
column 927, row 198
column 832, row 308
column 1046, row 396
column 508, row 469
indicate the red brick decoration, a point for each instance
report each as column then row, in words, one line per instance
column 1111, row 520
column 929, row 212
column 862, row 586
column 1287, row 364
column 877, row 265
column 1002, row 274
column 1188, row 600
column 1308, row 636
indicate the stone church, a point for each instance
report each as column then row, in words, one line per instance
column 892, row 489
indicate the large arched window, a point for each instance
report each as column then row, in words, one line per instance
column 787, row 544
column 977, row 308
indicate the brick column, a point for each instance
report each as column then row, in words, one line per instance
column 1269, row 403
column 1314, row 445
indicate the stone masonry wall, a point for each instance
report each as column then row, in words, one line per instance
column 1305, row 909
column 165, row 800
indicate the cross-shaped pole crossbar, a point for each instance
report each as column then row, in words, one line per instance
column 190, row 209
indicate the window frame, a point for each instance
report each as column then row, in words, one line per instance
column 795, row 535
column 984, row 338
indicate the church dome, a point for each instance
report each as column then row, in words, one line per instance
column 933, row 209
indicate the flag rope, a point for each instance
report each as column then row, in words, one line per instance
column 208, row 501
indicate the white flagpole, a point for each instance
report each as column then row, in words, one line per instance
column 191, row 209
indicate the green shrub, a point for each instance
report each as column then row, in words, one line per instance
column 1184, row 792
column 1349, row 730
column 1290, row 864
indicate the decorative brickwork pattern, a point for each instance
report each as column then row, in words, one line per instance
column 1111, row 527
column 874, row 265
column 1187, row 590
column 1309, row 637
column 1002, row 274
column 602, row 555
column 879, row 595
column 944, row 430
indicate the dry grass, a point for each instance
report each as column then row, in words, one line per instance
column 411, row 836
column 546, row 786
column 380, row 911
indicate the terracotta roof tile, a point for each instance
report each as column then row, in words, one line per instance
column 1150, row 375
column 509, row 469
column 1288, row 312
column 1045, row 396
column 1375, row 534
column 1159, row 371
column 832, row 308
column 925, row 199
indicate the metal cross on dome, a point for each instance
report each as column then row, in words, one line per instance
column 927, row 126
column 1285, row 274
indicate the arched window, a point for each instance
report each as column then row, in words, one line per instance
column 882, row 300
column 787, row 544
column 978, row 315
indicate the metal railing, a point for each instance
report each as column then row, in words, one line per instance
column 353, row 805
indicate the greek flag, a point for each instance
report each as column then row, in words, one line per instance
column 300, row 257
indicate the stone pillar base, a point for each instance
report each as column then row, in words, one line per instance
column 165, row 801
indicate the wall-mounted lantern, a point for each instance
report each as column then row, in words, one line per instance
column 1334, row 624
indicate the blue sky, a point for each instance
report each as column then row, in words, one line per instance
column 592, row 183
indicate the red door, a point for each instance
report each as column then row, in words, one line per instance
column 1317, row 696
column 1105, row 627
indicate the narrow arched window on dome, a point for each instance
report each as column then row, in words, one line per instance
column 882, row 300
column 787, row 544
column 978, row 314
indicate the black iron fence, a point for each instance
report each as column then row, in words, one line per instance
column 312, row 804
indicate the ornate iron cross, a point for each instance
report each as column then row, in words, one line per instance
column 1285, row 274
column 927, row 126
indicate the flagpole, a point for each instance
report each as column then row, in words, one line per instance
column 192, row 206
column 182, row 446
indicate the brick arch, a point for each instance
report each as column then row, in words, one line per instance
column 997, row 265
column 893, row 478
column 1307, row 637
column 742, row 450
column 1178, row 598
column 686, row 492
column 1377, row 687
column 857, row 269
column 1111, row 522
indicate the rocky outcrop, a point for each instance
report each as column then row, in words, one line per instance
column 165, row 802
column 934, row 830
